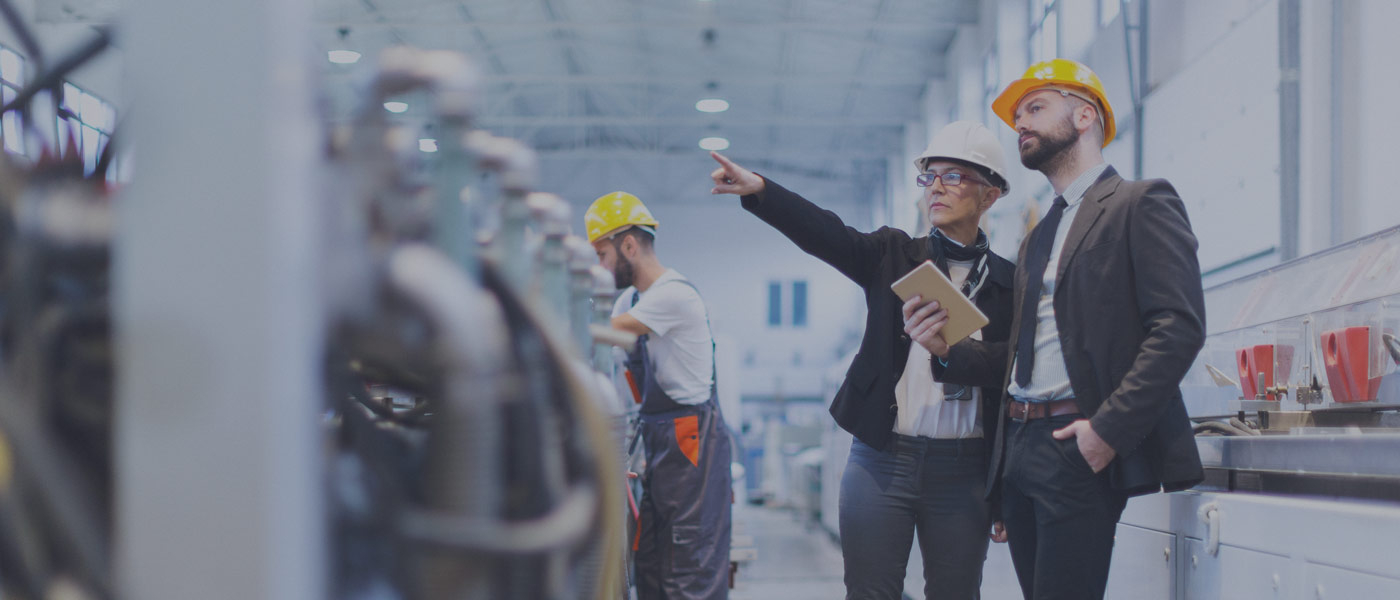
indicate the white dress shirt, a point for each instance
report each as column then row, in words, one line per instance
column 921, row 409
column 1049, row 377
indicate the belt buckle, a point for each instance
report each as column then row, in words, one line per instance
column 1025, row 411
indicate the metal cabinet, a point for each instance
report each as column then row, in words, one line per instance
column 1332, row 583
column 1236, row 574
column 1266, row 547
column 1144, row 564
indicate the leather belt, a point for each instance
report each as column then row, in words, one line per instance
column 1022, row 411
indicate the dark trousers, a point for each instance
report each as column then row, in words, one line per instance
column 1060, row 515
column 925, row 486
column 683, row 547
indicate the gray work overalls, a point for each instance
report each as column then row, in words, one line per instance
column 683, row 543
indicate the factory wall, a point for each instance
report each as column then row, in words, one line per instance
column 1211, row 115
column 733, row 258
column 1369, row 49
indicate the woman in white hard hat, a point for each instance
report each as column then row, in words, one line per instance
column 919, row 460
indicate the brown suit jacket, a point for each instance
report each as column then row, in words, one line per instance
column 1131, row 318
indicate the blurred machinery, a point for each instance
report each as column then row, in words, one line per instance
column 491, row 467
column 1296, row 396
column 56, row 387
column 468, row 444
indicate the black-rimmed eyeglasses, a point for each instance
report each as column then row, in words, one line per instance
column 952, row 179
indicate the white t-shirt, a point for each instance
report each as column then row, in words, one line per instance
column 681, row 347
column 922, row 411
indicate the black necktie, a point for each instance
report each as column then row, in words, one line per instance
column 1037, row 256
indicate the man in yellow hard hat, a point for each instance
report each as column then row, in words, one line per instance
column 1108, row 317
column 682, row 548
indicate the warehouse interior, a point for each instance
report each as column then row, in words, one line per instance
column 297, row 303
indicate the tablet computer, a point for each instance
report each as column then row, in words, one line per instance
column 927, row 281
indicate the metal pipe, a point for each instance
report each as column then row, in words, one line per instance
column 1144, row 87
column 1290, row 125
column 455, row 90
column 604, row 337
column 454, row 230
column 1138, row 85
column 551, row 215
column 582, row 258
column 516, row 166
column 1337, row 78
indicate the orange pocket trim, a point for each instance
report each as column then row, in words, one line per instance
column 688, row 437
column 632, row 383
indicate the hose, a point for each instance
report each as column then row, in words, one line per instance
column 566, row 525
column 465, row 456
column 590, row 438
column 1231, row 427
column 465, row 460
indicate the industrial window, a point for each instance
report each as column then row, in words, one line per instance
column 991, row 80
column 1045, row 30
column 87, row 121
column 775, row 304
column 1078, row 26
column 799, row 304
column 1108, row 11
column 11, row 78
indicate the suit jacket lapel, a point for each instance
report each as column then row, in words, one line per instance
column 1089, row 211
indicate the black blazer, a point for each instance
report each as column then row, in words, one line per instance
column 1131, row 319
column 865, row 404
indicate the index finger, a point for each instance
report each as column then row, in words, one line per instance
column 724, row 160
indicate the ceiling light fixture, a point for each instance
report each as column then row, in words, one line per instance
column 712, row 105
column 396, row 107
column 427, row 145
column 714, row 143
column 343, row 57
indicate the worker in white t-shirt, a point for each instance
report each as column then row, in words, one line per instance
column 682, row 547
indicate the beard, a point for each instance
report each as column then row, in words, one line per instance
column 623, row 273
column 1049, row 147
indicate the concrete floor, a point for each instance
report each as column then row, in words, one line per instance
column 799, row 560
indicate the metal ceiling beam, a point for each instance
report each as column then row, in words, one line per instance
column 815, row 155
column 908, row 80
column 867, row 50
column 893, row 121
column 911, row 80
column 948, row 24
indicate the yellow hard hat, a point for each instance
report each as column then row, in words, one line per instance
column 1065, row 75
column 616, row 211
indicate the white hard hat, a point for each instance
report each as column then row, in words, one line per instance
column 968, row 142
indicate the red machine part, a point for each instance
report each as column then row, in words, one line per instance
column 1346, row 355
column 1265, row 359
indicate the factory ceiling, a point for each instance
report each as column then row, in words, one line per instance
column 607, row 90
